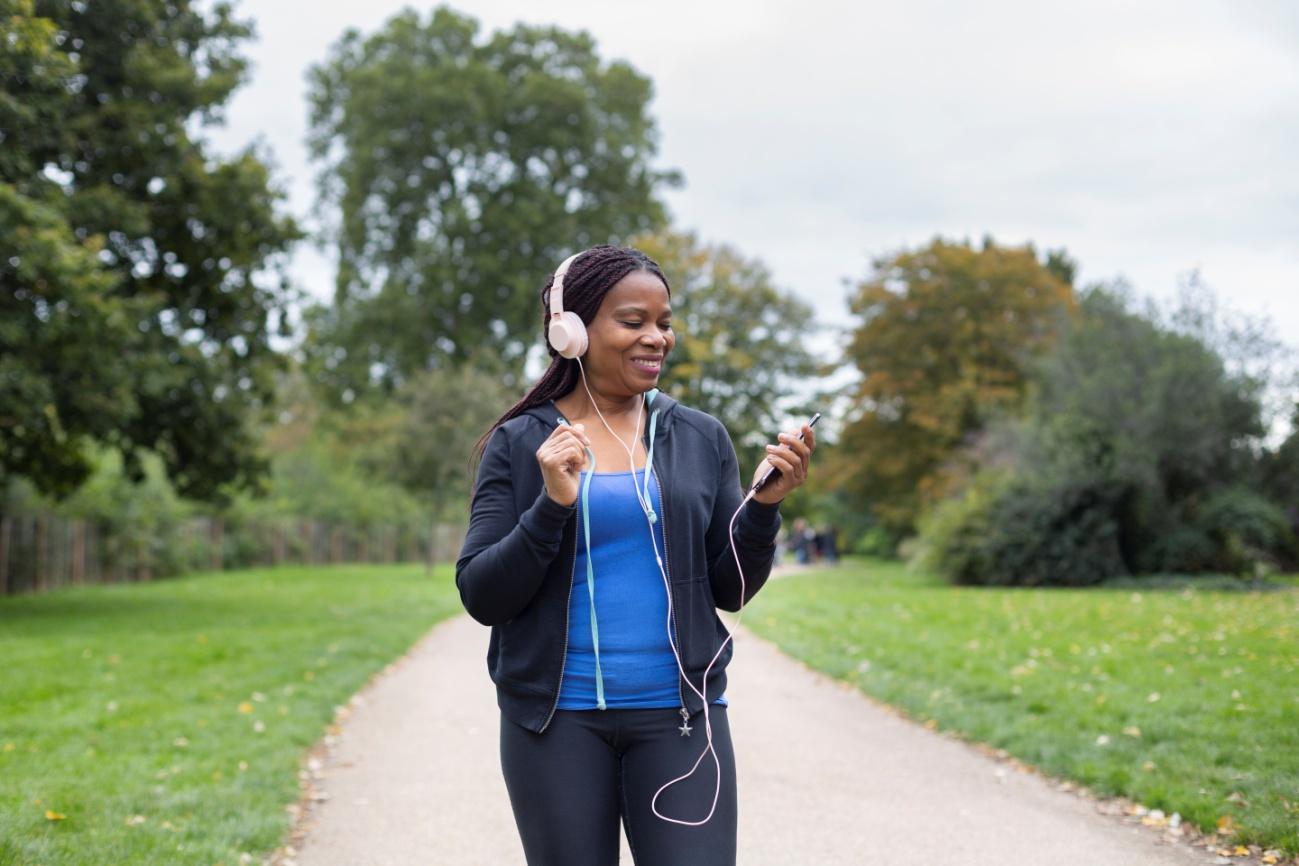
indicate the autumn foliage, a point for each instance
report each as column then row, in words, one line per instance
column 945, row 336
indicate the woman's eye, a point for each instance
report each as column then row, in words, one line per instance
column 631, row 324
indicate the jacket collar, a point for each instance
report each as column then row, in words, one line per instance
column 548, row 413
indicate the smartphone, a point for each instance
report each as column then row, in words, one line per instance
column 773, row 472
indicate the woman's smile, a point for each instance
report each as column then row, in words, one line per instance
column 650, row 365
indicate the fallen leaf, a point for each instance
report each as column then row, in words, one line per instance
column 54, row 816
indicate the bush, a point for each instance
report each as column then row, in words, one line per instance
column 948, row 536
column 875, row 541
column 1016, row 531
column 1251, row 535
column 1177, row 549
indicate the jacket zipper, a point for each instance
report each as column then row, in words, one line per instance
column 667, row 567
column 563, row 659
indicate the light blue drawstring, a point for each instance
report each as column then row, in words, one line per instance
column 590, row 581
column 649, row 462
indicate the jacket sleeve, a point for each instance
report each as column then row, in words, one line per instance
column 505, row 555
column 755, row 535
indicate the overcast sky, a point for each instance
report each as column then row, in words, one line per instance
column 1146, row 138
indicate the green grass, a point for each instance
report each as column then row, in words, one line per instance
column 1184, row 700
column 122, row 701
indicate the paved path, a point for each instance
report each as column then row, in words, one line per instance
column 826, row 777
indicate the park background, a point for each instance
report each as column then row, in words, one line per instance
column 1037, row 264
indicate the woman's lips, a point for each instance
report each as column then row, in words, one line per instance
column 648, row 366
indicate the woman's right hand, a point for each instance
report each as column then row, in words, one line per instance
column 562, row 457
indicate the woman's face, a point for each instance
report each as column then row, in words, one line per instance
column 630, row 336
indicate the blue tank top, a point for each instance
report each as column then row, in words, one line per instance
column 636, row 661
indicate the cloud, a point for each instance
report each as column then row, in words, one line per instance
column 1146, row 138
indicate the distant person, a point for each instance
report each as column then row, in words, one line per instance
column 573, row 569
column 830, row 543
column 801, row 541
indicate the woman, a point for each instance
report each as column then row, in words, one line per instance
column 611, row 686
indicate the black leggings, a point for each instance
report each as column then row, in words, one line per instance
column 570, row 785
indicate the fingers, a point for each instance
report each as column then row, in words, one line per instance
column 784, row 483
column 571, row 453
column 792, row 456
column 566, row 445
column 789, row 465
column 577, row 431
column 565, row 437
column 801, row 447
column 809, row 437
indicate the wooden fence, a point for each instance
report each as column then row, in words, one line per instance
column 43, row 551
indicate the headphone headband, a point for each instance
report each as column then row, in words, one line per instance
column 557, row 287
column 565, row 332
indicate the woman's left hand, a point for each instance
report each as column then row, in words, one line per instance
column 792, row 458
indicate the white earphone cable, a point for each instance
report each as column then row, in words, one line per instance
column 647, row 508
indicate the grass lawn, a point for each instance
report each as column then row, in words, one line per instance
column 1184, row 700
column 164, row 722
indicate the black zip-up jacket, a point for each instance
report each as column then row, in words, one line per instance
column 515, row 570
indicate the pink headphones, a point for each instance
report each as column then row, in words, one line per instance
column 566, row 334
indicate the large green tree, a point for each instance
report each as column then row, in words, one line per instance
column 457, row 172
column 1138, row 451
column 742, row 343
column 141, row 278
column 945, row 339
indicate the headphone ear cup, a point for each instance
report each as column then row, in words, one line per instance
column 568, row 335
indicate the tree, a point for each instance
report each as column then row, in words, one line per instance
column 741, row 352
column 142, row 278
column 1280, row 472
column 1174, row 423
column 945, row 337
column 1135, row 453
column 422, row 437
column 462, row 171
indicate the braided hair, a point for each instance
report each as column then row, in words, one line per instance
column 589, row 278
